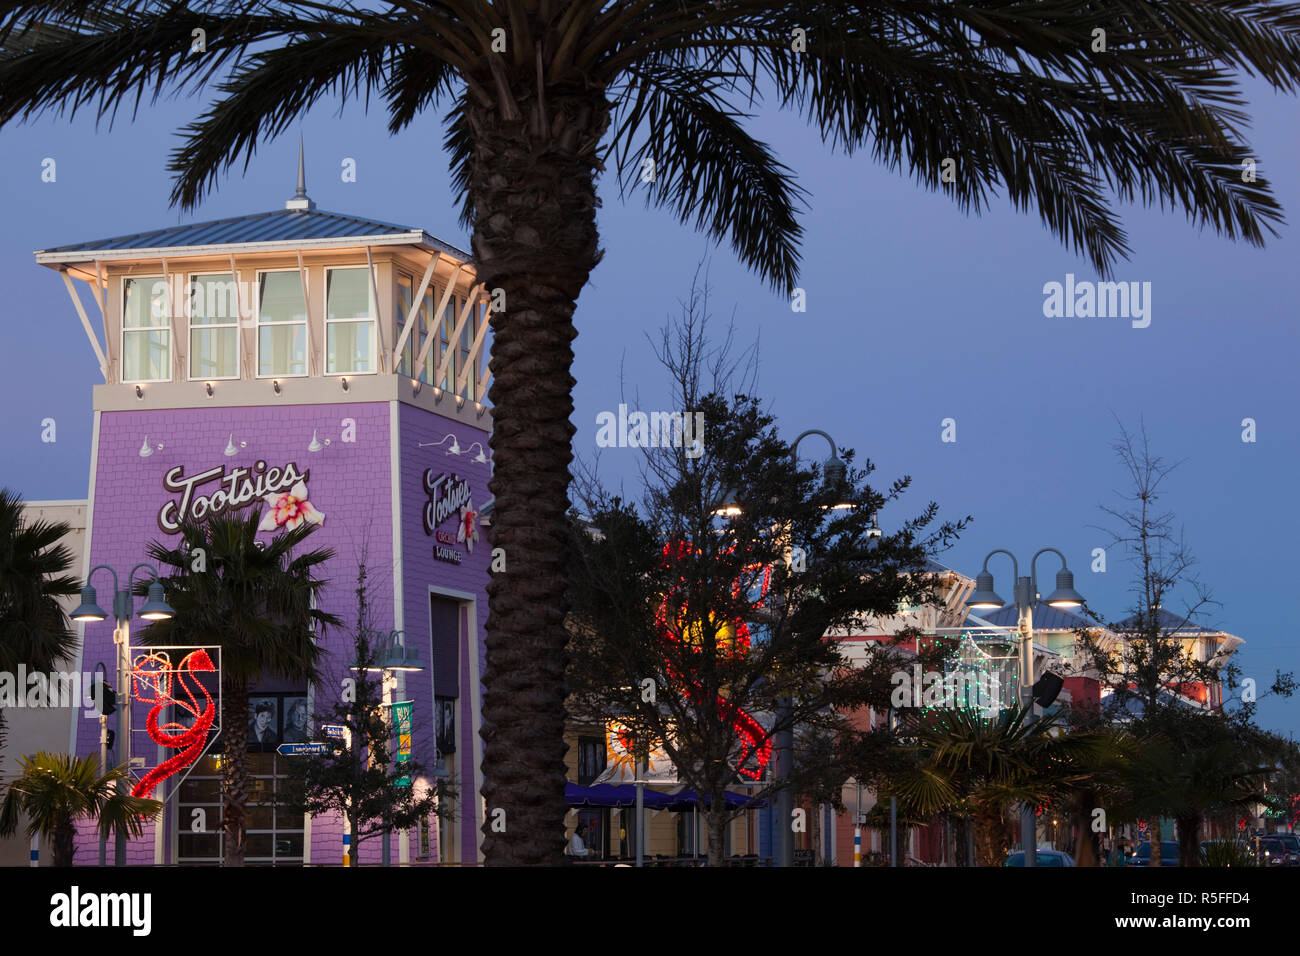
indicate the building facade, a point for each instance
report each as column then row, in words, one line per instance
column 327, row 369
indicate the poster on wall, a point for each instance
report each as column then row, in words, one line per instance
column 297, row 728
column 263, row 724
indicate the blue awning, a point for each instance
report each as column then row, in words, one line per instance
column 609, row 795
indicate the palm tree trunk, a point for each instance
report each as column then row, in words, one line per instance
column 63, row 842
column 1189, row 840
column 234, row 770
column 532, row 186
column 990, row 835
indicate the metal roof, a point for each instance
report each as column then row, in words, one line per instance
column 1173, row 623
column 1046, row 618
column 280, row 227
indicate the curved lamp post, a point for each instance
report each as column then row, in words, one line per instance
column 1025, row 595
column 835, row 471
column 155, row 609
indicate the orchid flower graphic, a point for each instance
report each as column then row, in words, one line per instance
column 289, row 509
column 467, row 527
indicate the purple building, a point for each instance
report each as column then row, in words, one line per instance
column 333, row 370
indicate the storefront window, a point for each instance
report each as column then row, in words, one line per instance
column 274, row 835
column 146, row 330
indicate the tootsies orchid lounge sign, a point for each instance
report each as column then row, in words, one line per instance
column 449, row 497
column 283, row 489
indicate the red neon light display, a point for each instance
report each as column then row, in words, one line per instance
column 734, row 640
column 154, row 678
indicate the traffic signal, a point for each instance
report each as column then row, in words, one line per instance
column 106, row 696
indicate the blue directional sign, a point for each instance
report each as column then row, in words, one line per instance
column 303, row 750
column 334, row 731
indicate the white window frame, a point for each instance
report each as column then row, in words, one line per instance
column 373, row 320
column 257, row 332
column 191, row 328
column 165, row 327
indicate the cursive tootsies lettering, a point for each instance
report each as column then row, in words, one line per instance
column 447, row 495
column 241, row 487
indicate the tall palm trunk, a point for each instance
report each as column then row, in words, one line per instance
column 532, row 182
column 234, row 769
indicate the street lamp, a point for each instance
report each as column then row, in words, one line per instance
column 393, row 657
column 155, row 609
column 835, row 472
column 1025, row 595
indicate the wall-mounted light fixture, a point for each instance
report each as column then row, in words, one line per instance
column 416, row 385
column 275, row 385
column 315, row 444
column 344, row 383
column 139, row 393
column 147, row 449
column 231, row 449
column 480, row 457
column 453, row 450
column 207, row 387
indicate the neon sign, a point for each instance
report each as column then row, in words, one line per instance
column 156, row 681
column 734, row 640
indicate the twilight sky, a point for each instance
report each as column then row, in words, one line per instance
column 915, row 313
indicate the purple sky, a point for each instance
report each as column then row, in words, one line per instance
column 915, row 313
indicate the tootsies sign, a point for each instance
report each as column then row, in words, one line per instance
column 284, row 489
column 449, row 497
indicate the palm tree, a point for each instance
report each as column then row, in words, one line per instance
column 56, row 790
column 257, row 601
column 34, row 627
column 1064, row 105
column 1193, row 770
column 983, row 766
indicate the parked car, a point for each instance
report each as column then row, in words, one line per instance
column 1046, row 857
column 1168, row 854
column 1275, row 852
column 1290, row 840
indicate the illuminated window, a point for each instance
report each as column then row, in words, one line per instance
column 281, row 325
column 146, row 330
column 213, row 314
column 349, row 322
column 405, row 297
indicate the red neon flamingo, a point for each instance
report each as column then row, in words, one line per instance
column 156, row 673
column 753, row 741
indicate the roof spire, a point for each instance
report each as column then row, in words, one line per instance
column 300, row 200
